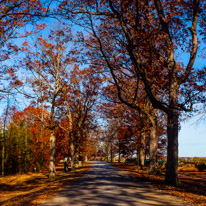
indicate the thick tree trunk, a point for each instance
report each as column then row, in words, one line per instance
column 172, row 149
column 107, row 151
column 52, row 167
column 138, row 155
column 119, row 151
column 153, row 146
column 111, row 150
column 71, row 136
column 72, row 151
column 78, row 139
column 76, row 156
column 142, row 148
column 172, row 135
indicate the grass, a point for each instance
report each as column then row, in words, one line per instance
column 191, row 187
column 31, row 189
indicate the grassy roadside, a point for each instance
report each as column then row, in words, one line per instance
column 32, row 189
column 191, row 188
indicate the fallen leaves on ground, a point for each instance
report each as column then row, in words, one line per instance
column 191, row 187
column 32, row 189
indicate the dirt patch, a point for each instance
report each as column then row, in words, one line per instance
column 32, row 189
column 191, row 187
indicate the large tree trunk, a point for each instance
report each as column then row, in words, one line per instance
column 172, row 149
column 78, row 139
column 77, row 156
column 153, row 146
column 52, row 167
column 71, row 136
column 138, row 155
column 72, row 151
column 107, row 151
column 172, row 135
column 111, row 154
column 119, row 151
column 142, row 148
column 77, row 150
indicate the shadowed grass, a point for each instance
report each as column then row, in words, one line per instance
column 32, row 189
column 191, row 187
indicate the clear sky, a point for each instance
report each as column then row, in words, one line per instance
column 192, row 138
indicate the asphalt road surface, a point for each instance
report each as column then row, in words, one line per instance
column 105, row 185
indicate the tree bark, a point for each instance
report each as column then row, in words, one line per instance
column 142, row 148
column 77, row 148
column 3, row 149
column 3, row 158
column 153, row 146
column 72, row 151
column 4, row 139
column 107, row 151
column 71, row 136
column 111, row 150
column 52, row 167
column 119, row 151
column 172, row 149
column 172, row 134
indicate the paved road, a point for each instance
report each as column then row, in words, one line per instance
column 105, row 185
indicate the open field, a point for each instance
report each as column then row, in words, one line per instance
column 191, row 188
column 32, row 189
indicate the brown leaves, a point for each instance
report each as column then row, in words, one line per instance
column 32, row 189
column 15, row 14
column 191, row 188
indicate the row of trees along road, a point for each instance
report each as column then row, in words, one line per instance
column 135, row 45
column 14, row 16
column 58, row 82
column 132, row 132
column 138, row 42
column 62, row 97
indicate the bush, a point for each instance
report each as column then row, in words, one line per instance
column 200, row 167
column 156, row 171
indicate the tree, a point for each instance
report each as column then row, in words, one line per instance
column 3, row 134
column 49, row 67
column 135, row 99
column 14, row 16
column 79, row 95
column 25, row 145
column 124, row 126
column 146, row 36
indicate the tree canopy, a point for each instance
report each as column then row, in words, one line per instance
column 131, row 63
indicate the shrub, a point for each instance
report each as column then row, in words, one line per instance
column 200, row 167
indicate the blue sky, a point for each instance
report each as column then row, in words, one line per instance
column 192, row 138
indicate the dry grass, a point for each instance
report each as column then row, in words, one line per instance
column 32, row 189
column 191, row 187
